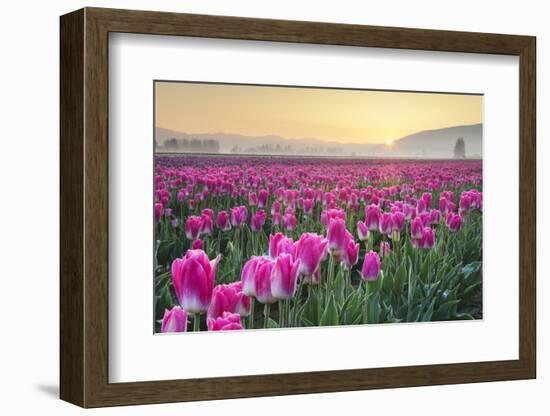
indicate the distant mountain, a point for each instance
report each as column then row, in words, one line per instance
column 437, row 143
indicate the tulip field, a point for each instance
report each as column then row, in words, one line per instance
column 245, row 243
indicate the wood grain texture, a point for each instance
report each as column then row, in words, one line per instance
column 71, row 208
column 84, row 206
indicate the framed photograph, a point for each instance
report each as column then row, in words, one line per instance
column 255, row 207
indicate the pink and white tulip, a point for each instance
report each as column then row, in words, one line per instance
column 193, row 277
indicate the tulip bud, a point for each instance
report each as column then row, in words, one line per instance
column 174, row 320
column 227, row 322
column 258, row 220
column 262, row 282
column 289, row 222
column 193, row 277
column 336, row 237
column 222, row 221
column 158, row 211
column 311, row 249
column 386, row 223
column 385, row 249
column 284, row 276
column 193, row 227
column 351, row 253
column 417, row 228
column 371, row 267
column 207, row 224
column 362, row 231
column 262, row 198
column 372, row 218
column 454, row 222
column 278, row 244
column 228, row 298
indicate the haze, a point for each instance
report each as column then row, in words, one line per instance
column 344, row 116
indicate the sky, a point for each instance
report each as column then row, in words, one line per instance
column 345, row 116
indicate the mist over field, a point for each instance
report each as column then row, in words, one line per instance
column 432, row 144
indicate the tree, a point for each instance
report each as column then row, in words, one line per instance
column 460, row 149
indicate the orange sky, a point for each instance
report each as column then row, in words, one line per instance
column 346, row 116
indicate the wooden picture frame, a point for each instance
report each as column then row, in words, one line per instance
column 84, row 207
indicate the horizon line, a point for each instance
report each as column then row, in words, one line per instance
column 315, row 138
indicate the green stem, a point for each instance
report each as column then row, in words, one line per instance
column 266, row 314
column 196, row 322
column 281, row 320
column 287, row 312
column 297, row 297
column 367, row 295
column 330, row 276
column 251, row 315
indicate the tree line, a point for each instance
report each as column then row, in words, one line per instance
column 192, row 145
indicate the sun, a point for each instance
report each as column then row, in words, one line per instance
column 389, row 142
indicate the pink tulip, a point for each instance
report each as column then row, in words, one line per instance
column 289, row 222
column 427, row 197
column 331, row 214
column 209, row 212
column 398, row 221
column 158, row 211
column 351, row 253
column 435, row 216
column 262, row 198
column 385, row 249
column 239, row 216
column 309, row 205
column 284, row 277
column 174, row 320
column 222, row 221
column 372, row 219
column 417, row 228
column 174, row 223
column 196, row 245
column 207, row 224
column 420, row 206
column 362, row 231
column 409, row 212
column 311, row 249
column 276, row 219
column 454, row 222
column 193, row 277
column 248, row 274
column 258, row 220
column 336, row 237
column 427, row 241
column 371, row 267
column 228, row 298
column 262, row 281
column 386, row 223
column 443, row 205
column 193, row 227
column 279, row 244
column 227, row 322
column 276, row 208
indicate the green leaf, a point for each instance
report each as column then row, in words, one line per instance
column 399, row 279
column 311, row 307
column 373, row 309
column 330, row 314
column 271, row 323
column 429, row 312
column 445, row 311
